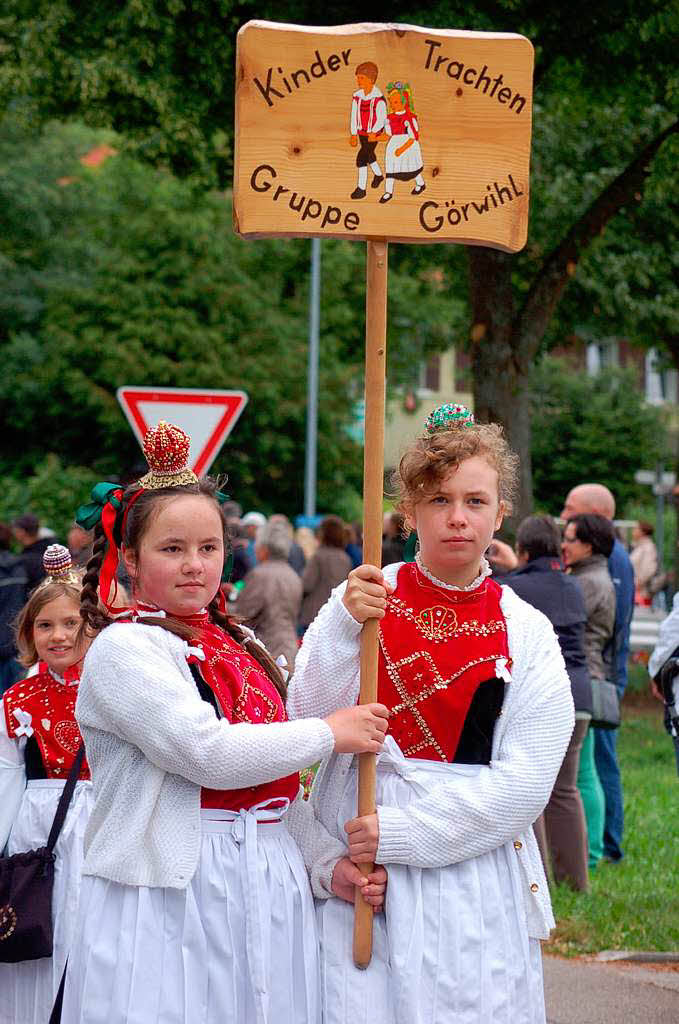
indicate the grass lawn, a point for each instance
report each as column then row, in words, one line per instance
column 634, row 904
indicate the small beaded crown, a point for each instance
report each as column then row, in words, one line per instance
column 58, row 567
column 166, row 448
column 448, row 417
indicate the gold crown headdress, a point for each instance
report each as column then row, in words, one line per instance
column 166, row 448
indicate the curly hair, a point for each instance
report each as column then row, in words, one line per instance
column 136, row 523
column 26, row 618
column 430, row 458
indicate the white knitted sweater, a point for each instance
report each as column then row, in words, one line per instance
column 152, row 743
column 463, row 816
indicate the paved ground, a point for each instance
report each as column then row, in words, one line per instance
column 584, row 992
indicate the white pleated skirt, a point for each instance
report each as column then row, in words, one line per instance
column 238, row 945
column 28, row 989
column 452, row 945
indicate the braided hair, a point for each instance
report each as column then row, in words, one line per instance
column 94, row 615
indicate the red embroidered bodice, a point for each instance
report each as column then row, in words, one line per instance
column 399, row 122
column 43, row 707
column 437, row 647
column 244, row 693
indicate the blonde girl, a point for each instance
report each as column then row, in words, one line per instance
column 39, row 739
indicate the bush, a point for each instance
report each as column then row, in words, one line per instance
column 590, row 429
column 52, row 493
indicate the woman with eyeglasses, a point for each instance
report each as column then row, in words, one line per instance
column 587, row 542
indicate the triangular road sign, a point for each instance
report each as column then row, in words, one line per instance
column 208, row 417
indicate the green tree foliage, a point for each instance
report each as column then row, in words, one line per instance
column 51, row 491
column 127, row 275
column 606, row 89
column 591, row 429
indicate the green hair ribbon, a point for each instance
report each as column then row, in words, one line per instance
column 103, row 494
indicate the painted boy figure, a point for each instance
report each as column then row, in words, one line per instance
column 368, row 118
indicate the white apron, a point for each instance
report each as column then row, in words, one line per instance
column 28, row 989
column 238, row 945
column 452, row 945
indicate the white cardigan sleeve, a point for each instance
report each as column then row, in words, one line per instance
column 466, row 816
column 326, row 675
column 327, row 668
column 320, row 850
column 133, row 686
column 12, row 780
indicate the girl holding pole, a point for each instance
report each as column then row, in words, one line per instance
column 195, row 906
column 480, row 715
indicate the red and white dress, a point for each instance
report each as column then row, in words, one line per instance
column 39, row 739
column 239, row 942
column 480, row 716
column 402, row 127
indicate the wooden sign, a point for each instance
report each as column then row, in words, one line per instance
column 383, row 131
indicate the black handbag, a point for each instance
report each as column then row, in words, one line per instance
column 26, row 882
column 605, row 704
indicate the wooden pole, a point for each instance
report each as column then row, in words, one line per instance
column 373, row 486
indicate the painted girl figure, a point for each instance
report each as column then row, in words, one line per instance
column 195, row 904
column 480, row 715
column 39, row 741
column 403, row 158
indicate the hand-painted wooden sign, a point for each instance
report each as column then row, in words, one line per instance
column 383, row 131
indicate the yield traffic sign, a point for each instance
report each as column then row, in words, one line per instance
column 208, row 417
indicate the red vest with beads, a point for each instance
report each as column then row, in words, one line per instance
column 244, row 693
column 436, row 647
column 44, row 707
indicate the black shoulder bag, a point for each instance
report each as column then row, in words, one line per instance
column 26, row 882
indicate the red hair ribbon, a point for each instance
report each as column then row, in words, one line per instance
column 108, row 575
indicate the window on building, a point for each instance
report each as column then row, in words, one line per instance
column 660, row 381
column 430, row 374
column 600, row 355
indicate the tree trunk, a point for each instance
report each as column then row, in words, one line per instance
column 501, row 366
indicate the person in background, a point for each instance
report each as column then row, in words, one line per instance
column 296, row 558
column 393, row 541
column 252, row 521
column 664, row 672
column 270, row 601
column 561, row 830
column 587, row 543
column 307, row 540
column 595, row 499
column 13, row 584
column 644, row 559
column 79, row 543
column 39, row 742
column 26, row 530
column 325, row 570
column 354, row 545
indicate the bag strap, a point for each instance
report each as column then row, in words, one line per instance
column 65, row 799
column 55, row 1015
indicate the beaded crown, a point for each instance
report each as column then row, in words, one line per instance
column 58, row 567
column 166, row 448
column 448, row 417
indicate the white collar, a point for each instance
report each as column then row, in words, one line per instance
column 483, row 574
column 372, row 95
column 60, row 679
